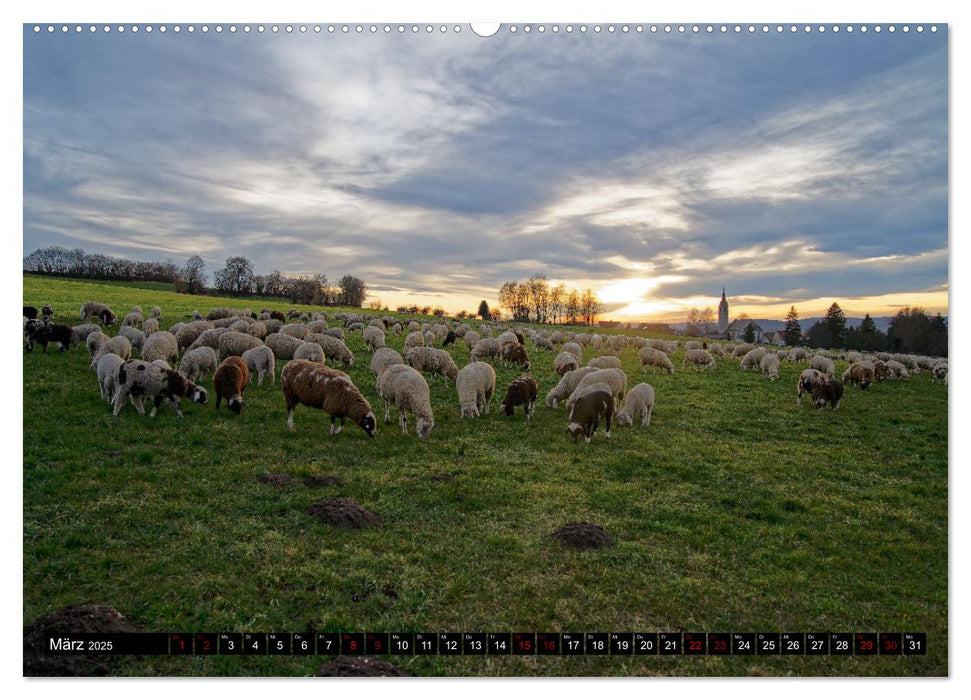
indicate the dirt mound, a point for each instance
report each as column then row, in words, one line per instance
column 277, row 479
column 343, row 513
column 65, row 622
column 360, row 666
column 583, row 536
column 321, row 480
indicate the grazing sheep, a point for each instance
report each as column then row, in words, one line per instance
column 374, row 337
column 471, row 338
column 219, row 313
column 335, row 333
column 296, row 330
column 823, row 364
column 699, row 359
column 586, row 413
column 318, row 386
column 81, row 333
column 475, row 384
column 604, row 362
column 897, row 370
column 119, row 345
column 230, row 381
column 853, row 356
column 107, row 369
column 520, row 392
column 541, row 343
column 94, row 342
column 133, row 319
column 752, row 358
column 429, row 338
column 334, row 348
column 234, row 344
column 261, row 361
column 859, row 374
column 310, row 351
column 433, row 360
column 44, row 333
column 150, row 325
column 640, row 400
column 881, row 372
column 769, row 364
column 506, row 337
column 829, row 391
column 140, row 379
column 574, row 349
column 568, row 382
column 197, row 363
column 272, row 326
column 487, row 347
column 135, row 336
column 613, row 378
column 797, row 355
column 656, row 358
column 160, row 345
column 94, row 309
column 407, row 389
column 282, row 345
column 741, row 349
column 156, row 312
column 808, row 380
column 415, row 339
column 693, row 345
column 565, row 362
column 384, row 358
column 190, row 332
column 209, row 338
column 449, row 339
column 514, row 353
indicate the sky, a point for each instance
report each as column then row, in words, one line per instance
column 790, row 168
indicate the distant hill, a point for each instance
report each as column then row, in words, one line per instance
column 768, row 324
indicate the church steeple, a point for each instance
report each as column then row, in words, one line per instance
column 723, row 313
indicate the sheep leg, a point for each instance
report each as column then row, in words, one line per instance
column 608, row 424
column 155, row 405
column 290, row 418
column 387, row 411
column 403, row 421
column 646, row 419
column 137, row 401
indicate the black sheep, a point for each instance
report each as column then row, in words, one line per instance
column 44, row 333
column 521, row 392
column 30, row 312
column 449, row 339
column 586, row 414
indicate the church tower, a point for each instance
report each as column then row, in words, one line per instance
column 723, row 313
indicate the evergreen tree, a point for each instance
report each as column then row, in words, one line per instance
column 835, row 322
column 483, row 312
column 749, row 336
column 793, row 330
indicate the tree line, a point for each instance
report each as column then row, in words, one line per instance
column 236, row 278
column 537, row 301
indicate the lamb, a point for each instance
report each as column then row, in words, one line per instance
column 407, row 389
column 808, row 380
column 283, row 346
column 568, row 382
column 82, row 333
column 135, row 336
column 541, row 343
column 107, row 369
column 190, row 332
column 415, row 339
column 316, row 385
column 310, row 351
column 432, row 360
column 297, row 330
column 374, row 337
column 475, row 384
column 160, row 346
column 574, row 349
column 47, row 312
column 614, row 378
column 156, row 312
column 656, row 358
column 514, row 353
column 197, row 363
column 230, row 381
column 262, row 361
column 823, row 364
column 94, row 342
column 640, row 400
column 487, row 347
column 897, row 370
column 565, row 362
column 139, row 379
column 586, row 413
column 94, row 309
column 150, row 325
column 699, row 359
column 752, row 358
column 769, row 364
column 133, row 319
column 119, row 345
column 234, row 344
column 384, row 358
column 604, row 362
column 334, row 349
column 829, row 391
column 209, row 338
column 43, row 333
column 859, row 374
column 520, row 392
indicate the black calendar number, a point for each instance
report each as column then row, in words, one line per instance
column 572, row 644
column 401, row 643
column 254, row 643
column 328, row 643
column 450, row 643
column 793, row 643
column 915, row 643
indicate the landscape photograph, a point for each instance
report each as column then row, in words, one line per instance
column 572, row 350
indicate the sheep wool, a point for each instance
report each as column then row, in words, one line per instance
column 808, row 380
column 604, row 362
column 282, row 345
column 699, row 359
column 752, row 358
column 150, row 325
column 475, row 384
column 487, row 347
column 639, row 401
column 107, row 370
column 197, row 363
column 318, row 386
column 415, row 339
column 514, row 353
column 135, row 336
column 310, row 351
column 565, row 362
column 374, row 337
column 769, row 364
column 649, row 355
column 80, row 334
column 160, row 345
column 823, row 364
column 587, row 412
column 433, row 360
column 471, row 338
column 234, row 343
column 384, row 358
column 94, row 342
column 262, row 362
column 574, row 349
column 406, row 388
column 520, row 392
column 230, row 381
column 613, row 378
column 119, row 345
column 568, row 382
column 139, row 379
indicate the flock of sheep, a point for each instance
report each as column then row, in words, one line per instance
column 237, row 345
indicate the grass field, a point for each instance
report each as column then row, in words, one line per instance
column 734, row 511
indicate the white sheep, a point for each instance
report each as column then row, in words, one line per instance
column 475, row 384
column 823, row 364
column 471, row 337
column 649, row 355
column 235, row 343
column 752, row 358
column 197, row 363
column 295, row 330
column 639, row 401
column 565, row 362
column 150, row 325
column 135, row 336
column 384, row 358
column 769, row 364
column 487, row 347
column 614, row 378
column 433, row 360
column 107, row 369
column 406, row 388
column 699, row 359
column 415, row 339
column 574, row 349
column 282, row 345
column 568, row 382
column 310, row 351
column 160, row 345
column 374, row 337
column 604, row 362
column 261, row 361
column 334, row 349
column 119, row 345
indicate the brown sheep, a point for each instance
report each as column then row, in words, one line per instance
column 520, row 392
column 319, row 386
column 830, row 391
column 586, row 414
column 859, row 374
column 515, row 353
column 230, row 381
column 808, row 380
